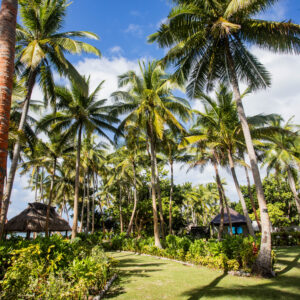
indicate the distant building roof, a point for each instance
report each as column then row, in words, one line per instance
column 33, row 219
column 235, row 218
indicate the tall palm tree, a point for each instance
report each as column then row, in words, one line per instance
column 151, row 106
column 204, row 153
column 53, row 150
column 92, row 154
column 8, row 20
column 170, row 147
column 200, row 201
column 40, row 49
column 208, row 41
column 80, row 112
column 282, row 154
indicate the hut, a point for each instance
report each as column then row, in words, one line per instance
column 33, row 219
column 239, row 224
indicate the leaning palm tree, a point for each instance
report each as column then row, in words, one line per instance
column 80, row 112
column 151, row 106
column 208, row 41
column 282, row 154
column 41, row 47
column 8, row 19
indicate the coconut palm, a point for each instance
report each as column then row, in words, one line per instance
column 201, row 203
column 151, row 106
column 203, row 153
column 208, row 41
column 41, row 48
column 170, row 148
column 8, row 19
column 224, row 131
column 80, row 112
column 282, row 154
column 93, row 153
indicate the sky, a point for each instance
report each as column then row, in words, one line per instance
column 123, row 27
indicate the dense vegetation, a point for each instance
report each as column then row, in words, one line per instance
column 52, row 268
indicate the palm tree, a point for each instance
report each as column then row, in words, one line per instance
column 151, row 106
column 208, row 41
column 282, row 154
column 170, row 147
column 92, row 154
column 40, row 49
column 8, row 19
column 79, row 112
column 204, row 153
column 201, row 203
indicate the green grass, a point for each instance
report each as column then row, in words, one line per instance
column 143, row 277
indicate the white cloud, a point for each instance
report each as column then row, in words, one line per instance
column 134, row 29
column 283, row 97
column 21, row 195
column 116, row 50
column 135, row 13
column 106, row 69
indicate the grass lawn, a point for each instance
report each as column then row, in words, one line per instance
column 143, row 277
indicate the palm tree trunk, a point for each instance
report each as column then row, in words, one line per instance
column 88, row 204
column 221, row 227
column 16, row 152
column 120, row 211
column 251, row 198
column 263, row 264
column 82, row 206
column 36, row 184
column 50, row 199
column 134, row 197
column 75, row 218
column 42, row 186
column 171, row 196
column 67, row 212
column 93, row 203
column 161, row 215
column 293, row 189
column 8, row 20
column 102, row 216
column 227, row 209
column 153, row 187
column 240, row 194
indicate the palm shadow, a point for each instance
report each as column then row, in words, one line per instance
column 290, row 265
column 198, row 293
column 125, row 274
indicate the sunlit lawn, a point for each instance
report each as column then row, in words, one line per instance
column 143, row 277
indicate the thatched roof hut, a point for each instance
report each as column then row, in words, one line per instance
column 33, row 219
column 239, row 224
column 236, row 218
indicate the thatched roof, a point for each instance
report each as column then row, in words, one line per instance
column 235, row 218
column 33, row 219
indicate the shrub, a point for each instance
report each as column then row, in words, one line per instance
column 232, row 253
column 53, row 268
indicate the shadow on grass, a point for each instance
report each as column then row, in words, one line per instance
column 289, row 265
column 198, row 293
column 129, row 268
column 273, row 289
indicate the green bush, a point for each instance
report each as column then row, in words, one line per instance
column 53, row 268
column 232, row 253
column 285, row 238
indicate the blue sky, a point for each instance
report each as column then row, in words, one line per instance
column 123, row 27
